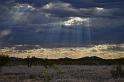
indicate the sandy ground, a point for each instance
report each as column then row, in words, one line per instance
column 65, row 73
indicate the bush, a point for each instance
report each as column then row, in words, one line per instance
column 4, row 60
column 117, row 72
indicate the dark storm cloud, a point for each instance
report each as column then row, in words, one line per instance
column 61, row 21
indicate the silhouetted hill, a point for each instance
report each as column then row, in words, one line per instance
column 93, row 60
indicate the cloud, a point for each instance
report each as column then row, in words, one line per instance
column 106, row 22
column 46, row 21
column 63, row 9
column 20, row 12
column 56, row 5
column 4, row 33
column 60, row 9
column 77, row 21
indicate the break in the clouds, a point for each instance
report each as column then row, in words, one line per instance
column 61, row 22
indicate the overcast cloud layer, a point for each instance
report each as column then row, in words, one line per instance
column 61, row 22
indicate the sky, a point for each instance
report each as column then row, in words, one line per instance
column 58, row 23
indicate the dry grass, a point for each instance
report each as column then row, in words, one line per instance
column 68, row 73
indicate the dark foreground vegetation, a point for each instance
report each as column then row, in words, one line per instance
column 116, row 72
column 6, row 60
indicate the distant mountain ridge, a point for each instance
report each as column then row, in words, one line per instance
column 92, row 58
column 5, row 60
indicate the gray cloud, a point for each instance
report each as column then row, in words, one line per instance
column 4, row 33
column 46, row 21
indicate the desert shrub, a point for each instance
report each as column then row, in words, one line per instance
column 32, row 76
column 0, row 68
column 47, row 74
column 4, row 60
column 28, row 61
column 117, row 72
